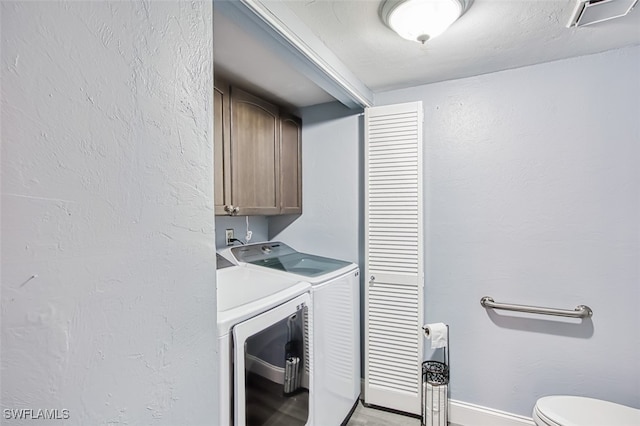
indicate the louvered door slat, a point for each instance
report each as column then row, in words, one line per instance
column 393, row 256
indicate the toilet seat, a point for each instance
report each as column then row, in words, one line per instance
column 564, row 410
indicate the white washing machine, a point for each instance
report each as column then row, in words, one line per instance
column 263, row 348
column 334, row 319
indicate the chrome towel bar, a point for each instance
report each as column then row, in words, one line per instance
column 581, row 311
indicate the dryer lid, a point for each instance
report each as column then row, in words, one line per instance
column 237, row 286
column 567, row 410
column 244, row 293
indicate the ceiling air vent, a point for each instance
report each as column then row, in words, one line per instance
column 589, row 12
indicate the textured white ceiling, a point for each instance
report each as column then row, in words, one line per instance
column 492, row 35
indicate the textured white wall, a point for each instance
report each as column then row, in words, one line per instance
column 108, row 276
column 533, row 197
column 331, row 185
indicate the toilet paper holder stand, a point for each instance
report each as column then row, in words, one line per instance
column 439, row 367
column 435, row 387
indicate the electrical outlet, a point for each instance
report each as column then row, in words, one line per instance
column 229, row 236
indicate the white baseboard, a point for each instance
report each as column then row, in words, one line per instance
column 272, row 372
column 465, row 414
column 265, row 369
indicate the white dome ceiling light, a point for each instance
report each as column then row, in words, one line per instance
column 421, row 20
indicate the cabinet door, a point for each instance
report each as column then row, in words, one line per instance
column 255, row 164
column 290, row 164
column 221, row 146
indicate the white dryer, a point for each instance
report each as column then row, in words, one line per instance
column 263, row 348
column 334, row 322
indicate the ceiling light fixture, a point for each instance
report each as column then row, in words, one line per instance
column 421, row 20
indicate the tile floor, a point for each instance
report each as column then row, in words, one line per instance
column 367, row 416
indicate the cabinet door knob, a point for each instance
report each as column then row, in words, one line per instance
column 372, row 278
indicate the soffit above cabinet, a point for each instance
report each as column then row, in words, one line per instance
column 264, row 47
column 244, row 59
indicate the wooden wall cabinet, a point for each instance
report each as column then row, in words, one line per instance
column 290, row 164
column 257, row 155
column 221, row 147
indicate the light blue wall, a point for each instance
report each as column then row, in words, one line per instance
column 331, row 185
column 331, row 190
column 258, row 225
column 533, row 197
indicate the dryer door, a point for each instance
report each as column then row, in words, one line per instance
column 269, row 361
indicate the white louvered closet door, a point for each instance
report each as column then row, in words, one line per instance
column 393, row 256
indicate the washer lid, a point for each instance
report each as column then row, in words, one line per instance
column 307, row 265
column 280, row 257
column 581, row 411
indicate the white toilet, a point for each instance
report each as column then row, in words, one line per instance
column 563, row 410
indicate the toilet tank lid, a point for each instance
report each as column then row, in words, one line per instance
column 568, row 410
